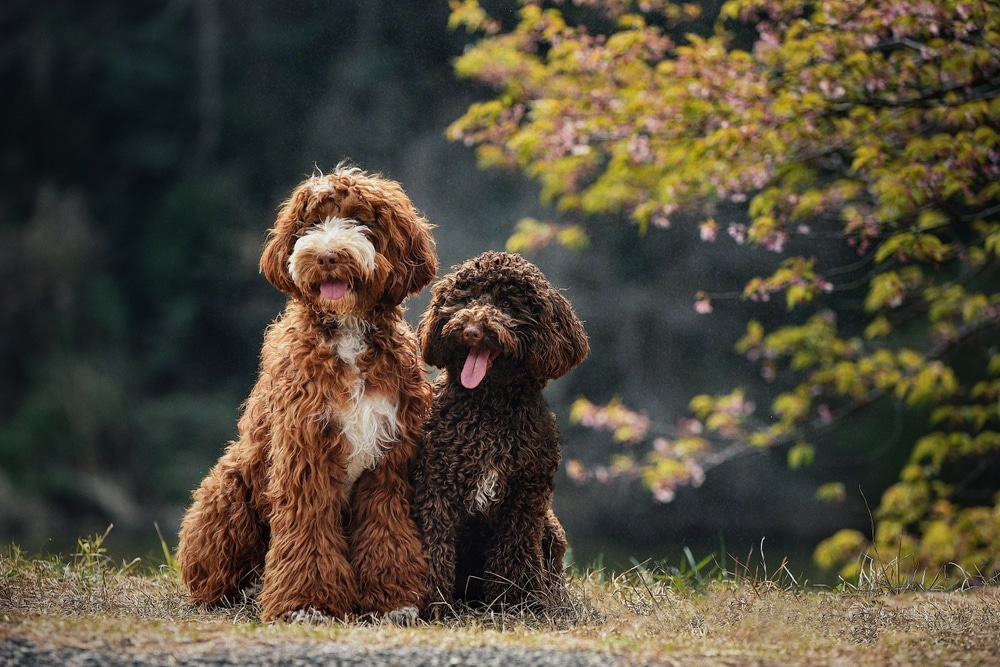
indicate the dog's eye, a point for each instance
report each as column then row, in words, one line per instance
column 505, row 304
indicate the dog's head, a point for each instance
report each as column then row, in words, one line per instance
column 349, row 242
column 497, row 316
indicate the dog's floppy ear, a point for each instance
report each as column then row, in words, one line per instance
column 415, row 260
column 281, row 241
column 562, row 343
column 432, row 322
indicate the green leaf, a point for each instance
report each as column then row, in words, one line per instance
column 831, row 492
column 878, row 328
column 800, row 455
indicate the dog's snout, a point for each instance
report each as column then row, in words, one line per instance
column 472, row 335
column 326, row 260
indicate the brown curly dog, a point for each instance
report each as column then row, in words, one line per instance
column 483, row 483
column 311, row 504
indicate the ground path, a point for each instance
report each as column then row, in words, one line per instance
column 222, row 653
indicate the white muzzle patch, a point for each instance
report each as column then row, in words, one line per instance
column 333, row 235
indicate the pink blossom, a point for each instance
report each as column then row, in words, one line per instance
column 663, row 493
column 832, row 91
column 697, row 474
column 663, row 446
column 775, row 242
column 708, row 230
column 661, row 221
column 824, row 413
column 738, row 232
column 661, row 218
column 689, row 426
column 577, row 472
column 638, row 149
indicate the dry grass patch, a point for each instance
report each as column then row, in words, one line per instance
column 86, row 602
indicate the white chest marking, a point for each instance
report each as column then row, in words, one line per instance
column 486, row 491
column 368, row 421
column 370, row 425
column 351, row 343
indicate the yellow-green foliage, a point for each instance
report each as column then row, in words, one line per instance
column 871, row 123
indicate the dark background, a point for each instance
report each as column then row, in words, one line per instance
column 144, row 148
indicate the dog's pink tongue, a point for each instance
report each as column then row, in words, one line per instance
column 475, row 367
column 333, row 289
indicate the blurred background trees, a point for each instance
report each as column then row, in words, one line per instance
column 144, row 150
column 146, row 146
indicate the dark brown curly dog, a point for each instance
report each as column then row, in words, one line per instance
column 312, row 502
column 483, row 484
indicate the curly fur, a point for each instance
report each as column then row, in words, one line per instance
column 483, row 483
column 311, row 504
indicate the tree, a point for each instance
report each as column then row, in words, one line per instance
column 872, row 128
column 145, row 149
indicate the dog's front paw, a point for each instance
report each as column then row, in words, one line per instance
column 403, row 617
column 308, row 616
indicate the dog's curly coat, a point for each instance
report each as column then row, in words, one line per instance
column 312, row 502
column 483, row 482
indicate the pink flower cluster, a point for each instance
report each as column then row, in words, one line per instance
column 628, row 426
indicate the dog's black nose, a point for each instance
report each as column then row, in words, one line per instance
column 472, row 335
column 326, row 260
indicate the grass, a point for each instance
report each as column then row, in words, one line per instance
column 699, row 613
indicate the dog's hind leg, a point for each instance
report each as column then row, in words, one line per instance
column 553, row 552
column 222, row 541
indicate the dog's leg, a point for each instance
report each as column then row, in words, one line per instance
column 553, row 552
column 222, row 541
column 515, row 572
column 437, row 520
column 306, row 567
column 554, row 545
column 385, row 544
